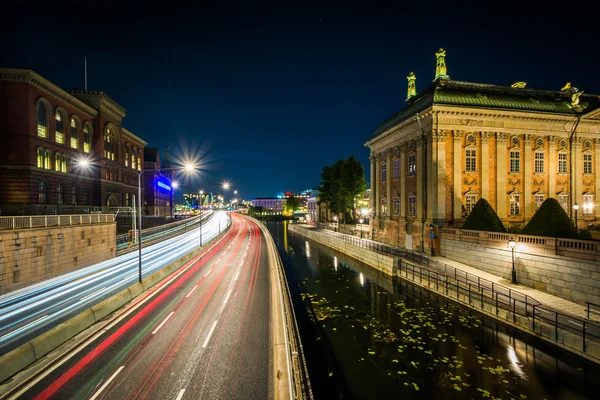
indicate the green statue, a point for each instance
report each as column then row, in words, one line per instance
column 440, row 67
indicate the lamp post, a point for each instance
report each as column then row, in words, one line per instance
column 576, row 208
column 431, row 237
column 512, row 244
column 335, row 218
column 188, row 168
column 201, row 203
column 361, row 222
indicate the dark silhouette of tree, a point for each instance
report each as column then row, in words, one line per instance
column 550, row 220
column 292, row 203
column 483, row 218
column 341, row 183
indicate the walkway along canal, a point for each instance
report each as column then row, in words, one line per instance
column 367, row 335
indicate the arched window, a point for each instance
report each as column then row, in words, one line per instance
column 42, row 120
column 110, row 145
column 43, row 193
column 60, row 195
column 63, row 165
column 74, row 195
column 47, row 159
column 87, row 139
column 133, row 158
column 74, row 134
column 127, row 151
column 59, row 130
column 40, row 157
column 57, row 162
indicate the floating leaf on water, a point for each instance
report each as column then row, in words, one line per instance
column 504, row 381
column 523, row 396
column 413, row 364
column 335, row 329
column 416, row 386
column 394, row 360
column 458, row 388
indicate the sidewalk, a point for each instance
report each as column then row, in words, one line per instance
column 549, row 300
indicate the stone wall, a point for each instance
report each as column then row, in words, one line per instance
column 28, row 256
column 381, row 262
column 577, row 280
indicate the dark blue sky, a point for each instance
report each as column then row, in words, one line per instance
column 268, row 93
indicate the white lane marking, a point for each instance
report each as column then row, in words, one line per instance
column 575, row 323
column 162, row 323
column 107, row 382
column 227, row 297
column 208, row 273
column 93, row 293
column 236, row 276
column 24, row 327
column 180, row 395
column 210, row 333
column 191, row 291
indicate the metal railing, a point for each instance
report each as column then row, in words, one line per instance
column 589, row 305
column 45, row 221
column 515, row 304
column 473, row 287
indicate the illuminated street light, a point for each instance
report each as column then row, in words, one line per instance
column 576, row 208
column 512, row 244
column 175, row 185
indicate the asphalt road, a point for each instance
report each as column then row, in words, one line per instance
column 205, row 335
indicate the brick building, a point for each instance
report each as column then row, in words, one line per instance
column 457, row 142
column 62, row 151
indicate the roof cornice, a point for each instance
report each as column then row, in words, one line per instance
column 100, row 101
column 133, row 137
column 34, row 79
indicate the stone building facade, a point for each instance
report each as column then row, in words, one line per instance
column 62, row 151
column 457, row 142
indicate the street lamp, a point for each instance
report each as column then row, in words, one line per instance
column 335, row 218
column 576, row 207
column 512, row 244
column 201, row 204
column 360, row 221
column 188, row 167
column 431, row 237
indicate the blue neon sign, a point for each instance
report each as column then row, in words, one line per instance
column 162, row 185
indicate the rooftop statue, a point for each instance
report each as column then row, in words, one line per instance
column 440, row 67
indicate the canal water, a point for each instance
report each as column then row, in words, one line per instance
column 368, row 336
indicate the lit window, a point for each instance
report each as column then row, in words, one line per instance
column 59, row 194
column 109, row 145
column 87, row 139
column 588, row 204
column 562, row 163
column 127, row 155
column 47, row 159
column 515, row 161
column 470, row 200
column 563, row 200
column 539, row 162
column 538, row 200
column 412, row 164
column 384, row 206
column 63, row 165
column 396, row 205
column 396, row 168
column 587, row 164
column 471, row 160
column 139, row 160
column 57, row 162
column 133, row 158
column 60, row 128
column 40, row 158
column 74, row 134
column 412, row 205
column 383, row 172
column 43, row 193
column 515, row 204
column 42, row 120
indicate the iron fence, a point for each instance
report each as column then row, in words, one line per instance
column 44, row 221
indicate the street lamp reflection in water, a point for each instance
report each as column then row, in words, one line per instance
column 335, row 263
column 362, row 280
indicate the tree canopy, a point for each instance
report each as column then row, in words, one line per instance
column 483, row 218
column 341, row 183
column 550, row 220
column 292, row 203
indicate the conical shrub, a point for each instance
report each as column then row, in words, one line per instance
column 551, row 220
column 483, row 218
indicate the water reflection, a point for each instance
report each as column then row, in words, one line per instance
column 375, row 337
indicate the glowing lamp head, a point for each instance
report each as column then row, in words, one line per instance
column 189, row 167
column 83, row 163
column 226, row 185
column 175, row 185
column 576, row 207
column 512, row 243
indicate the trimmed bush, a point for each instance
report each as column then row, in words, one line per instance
column 551, row 220
column 483, row 218
column 585, row 234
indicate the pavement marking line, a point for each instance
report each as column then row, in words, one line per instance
column 162, row 323
column 24, row 326
column 180, row 395
column 210, row 334
column 208, row 273
column 93, row 293
column 236, row 276
column 227, row 297
column 575, row 323
column 107, row 383
column 191, row 291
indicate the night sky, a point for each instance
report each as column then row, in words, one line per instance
column 266, row 94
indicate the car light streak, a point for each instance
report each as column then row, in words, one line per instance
column 24, row 327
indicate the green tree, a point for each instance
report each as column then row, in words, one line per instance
column 483, row 218
column 292, row 203
column 341, row 183
column 550, row 220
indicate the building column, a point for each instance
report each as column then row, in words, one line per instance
column 429, row 161
column 527, row 177
column 552, row 163
column 485, row 165
column 403, row 161
column 438, row 177
column 373, row 188
column 578, row 173
column 597, row 177
column 377, row 183
column 501, row 174
column 420, row 177
column 388, row 183
column 456, row 192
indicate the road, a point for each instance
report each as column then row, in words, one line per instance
column 203, row 334
column 27, row 313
